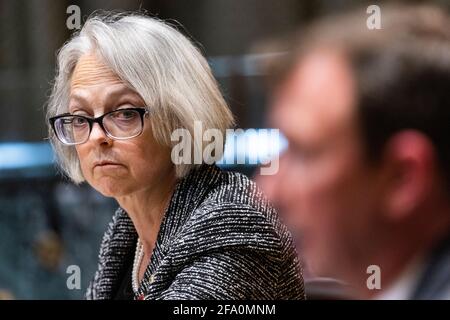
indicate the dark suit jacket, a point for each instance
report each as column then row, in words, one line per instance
column 434, row 283
column 219, row 239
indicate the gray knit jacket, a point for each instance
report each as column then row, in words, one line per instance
column 219, row 239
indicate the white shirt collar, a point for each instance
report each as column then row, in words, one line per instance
column 403, row 287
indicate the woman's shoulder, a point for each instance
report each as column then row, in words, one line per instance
column 230, row 188
column 234, row 213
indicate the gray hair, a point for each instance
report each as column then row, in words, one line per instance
column 155, row 60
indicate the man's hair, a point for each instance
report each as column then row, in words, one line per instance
column 402, row 72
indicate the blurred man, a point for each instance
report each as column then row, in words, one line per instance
column 366, row 178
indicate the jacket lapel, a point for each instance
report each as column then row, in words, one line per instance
column 119, row 241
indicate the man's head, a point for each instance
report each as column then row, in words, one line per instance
column 367, row 116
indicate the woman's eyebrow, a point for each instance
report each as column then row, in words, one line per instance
column 110, row 95
column 78, row 97
column 117, row 93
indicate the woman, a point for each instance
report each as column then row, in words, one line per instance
column 124, row 84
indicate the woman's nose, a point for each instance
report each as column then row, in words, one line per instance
column 98, row 135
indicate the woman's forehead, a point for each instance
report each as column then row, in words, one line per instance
column 90, row 71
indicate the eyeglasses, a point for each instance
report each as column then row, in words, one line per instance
column 119, row 124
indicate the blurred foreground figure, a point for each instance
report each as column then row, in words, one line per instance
column 365, row 181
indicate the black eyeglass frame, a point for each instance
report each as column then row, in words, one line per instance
column 141, row 110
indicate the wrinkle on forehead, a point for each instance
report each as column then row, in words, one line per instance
column 90, row 71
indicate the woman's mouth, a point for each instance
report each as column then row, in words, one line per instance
column 106, row 164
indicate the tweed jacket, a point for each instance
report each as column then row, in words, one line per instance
column 219, row 239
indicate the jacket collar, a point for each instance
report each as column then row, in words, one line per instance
column 118, row 245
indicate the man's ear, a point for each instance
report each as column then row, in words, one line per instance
column 409, row 164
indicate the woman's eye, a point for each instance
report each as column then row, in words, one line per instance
column 125, row 114
column 79, row 121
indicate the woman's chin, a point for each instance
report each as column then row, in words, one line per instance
column 110, row 187
column 108, row 193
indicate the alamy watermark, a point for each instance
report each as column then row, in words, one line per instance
column 374, row 19
column 73, row 281
column 73, row 21
column 373, row 282
column 243, row 147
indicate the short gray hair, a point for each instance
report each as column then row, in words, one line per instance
column 155, row 60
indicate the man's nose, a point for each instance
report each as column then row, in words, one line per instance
column 274, row 185
column 283, row 182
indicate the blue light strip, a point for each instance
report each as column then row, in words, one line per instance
column 254, row 146
column 25, row 155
